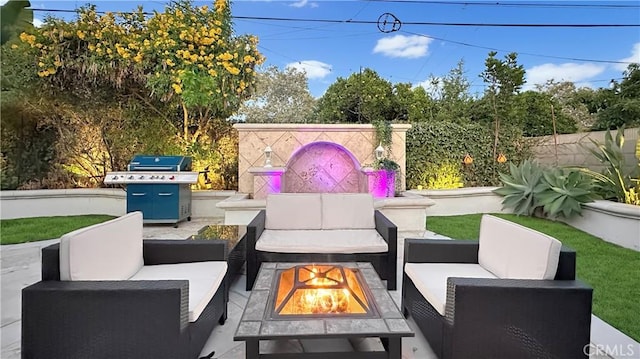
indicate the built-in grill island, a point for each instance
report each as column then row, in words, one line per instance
column 159, row 186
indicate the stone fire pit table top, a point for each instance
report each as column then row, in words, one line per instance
column 255, row 324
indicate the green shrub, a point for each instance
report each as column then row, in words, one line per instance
column 432, row 145
column 446, row 176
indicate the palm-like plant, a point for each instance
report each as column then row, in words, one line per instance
column 614, row 182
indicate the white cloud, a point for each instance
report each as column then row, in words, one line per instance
column 410, row 47
column 432, row 85
column 635, row 57
column 37, row 22
column 562, row 72
column 303, row 3
column 313, row 69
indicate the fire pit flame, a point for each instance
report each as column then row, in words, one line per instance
column 320, row 289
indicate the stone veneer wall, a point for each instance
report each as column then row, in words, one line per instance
column 285, row 139
column 572, row 153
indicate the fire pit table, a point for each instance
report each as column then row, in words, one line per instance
column 323, row 300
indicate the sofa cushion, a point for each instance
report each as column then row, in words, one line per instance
column 204, row 280
column 322, row 241
column 431, row 279
column 512, row 251
column 293, row 211
column 347, row 211
column 110, row 250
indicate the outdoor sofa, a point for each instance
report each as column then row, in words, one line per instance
column 106, row 293
column 322, row 227
column 511, row 294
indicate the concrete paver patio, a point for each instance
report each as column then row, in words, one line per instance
column 20, row 266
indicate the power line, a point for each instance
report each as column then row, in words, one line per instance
column 370, row 22
column 509, row 4
column 518, row 52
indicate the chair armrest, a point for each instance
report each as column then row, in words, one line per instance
column 386, row 228
column 548, row 317
column 255, row 229
column 163, row 251
column 95, row 319
column 566, row 264
column 51, row 262
column 440, row 251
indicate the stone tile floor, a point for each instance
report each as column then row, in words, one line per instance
column 20, row 267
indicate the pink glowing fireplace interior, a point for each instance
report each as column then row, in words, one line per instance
column 323, row 167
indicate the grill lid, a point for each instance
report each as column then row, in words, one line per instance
column 160, row 163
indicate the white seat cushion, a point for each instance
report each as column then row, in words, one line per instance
column 293, row 211
column 111, row 250
column 347, row 211
column 204, row 279
column 322, row 241
column 431, row 279
column 512, row 251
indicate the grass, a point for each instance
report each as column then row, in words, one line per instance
column 612, row 271
column 22, row 230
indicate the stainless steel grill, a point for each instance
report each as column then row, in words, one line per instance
column 159, row 186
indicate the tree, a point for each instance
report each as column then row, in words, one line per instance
column 620, row 105
column 504, row 79
column 453, row 100
column 184, row 67
column 280, row 97
column 568, row 96
column 15, row 17
column 413, row 104
column 539, row 111
column 363, row 97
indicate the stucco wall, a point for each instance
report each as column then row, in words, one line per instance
column 285, row 139
column 570, row 150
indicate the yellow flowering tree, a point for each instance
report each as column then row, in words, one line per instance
column 186, row 56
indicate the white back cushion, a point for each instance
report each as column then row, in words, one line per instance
column 512, row 251
column 347, row 211
column 110, row 250
column 293, row 211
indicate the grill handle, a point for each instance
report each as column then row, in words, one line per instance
column 139, row 194
column 153, row 168
column 165, row 194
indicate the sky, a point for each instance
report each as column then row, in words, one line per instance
column 352, row 40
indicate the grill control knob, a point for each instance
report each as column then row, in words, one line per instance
column 162, row 177
column 141, row 177
column 172, row 177
column 115, row 177
column 130, row 177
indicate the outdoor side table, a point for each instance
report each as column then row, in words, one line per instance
column 235, row 237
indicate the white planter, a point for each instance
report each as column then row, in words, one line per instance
column 79, row 201
column 614, row 222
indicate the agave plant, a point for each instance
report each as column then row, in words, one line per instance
column 521, row 187
column 564, row 192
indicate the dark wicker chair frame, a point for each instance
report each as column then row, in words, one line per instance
column 384, row 263
column 120, row 319
column 499, row 318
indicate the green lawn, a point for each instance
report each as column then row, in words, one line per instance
column 612, row 271
column 23, row 230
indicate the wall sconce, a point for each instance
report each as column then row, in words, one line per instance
column 379, row 152
column 467, row 160
column 267, row 156
column 501, row 158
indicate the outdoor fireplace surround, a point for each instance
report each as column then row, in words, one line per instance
column 320, row 290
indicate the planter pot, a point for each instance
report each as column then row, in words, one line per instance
column 382, row 183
